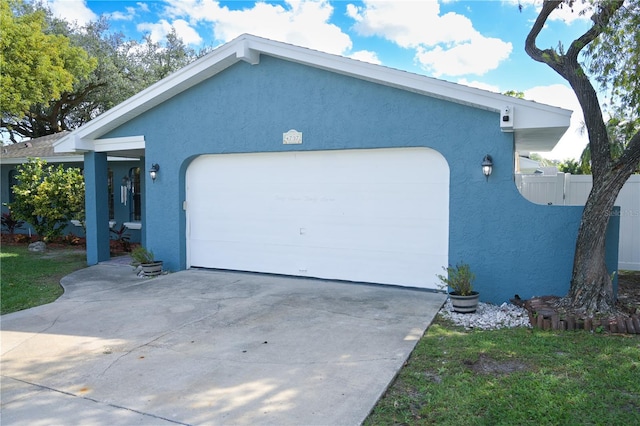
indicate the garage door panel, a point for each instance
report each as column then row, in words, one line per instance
column 362, row 215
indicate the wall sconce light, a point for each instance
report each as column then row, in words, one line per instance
column 487, row 166
column 153, row 172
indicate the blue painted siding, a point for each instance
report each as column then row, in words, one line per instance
column 514, row 246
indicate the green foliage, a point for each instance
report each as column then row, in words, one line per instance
column 570, row 166
column 544, row 162
column 141, row 255
column 48, row 196
column 36, row 67
column 32, row 279
column 120, row 69
column 121, row 238
column 514, row 377
column 613, row 58
column 514, row 93
column 459, row 278
column 620, row 132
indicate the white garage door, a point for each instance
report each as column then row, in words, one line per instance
column 379, row 215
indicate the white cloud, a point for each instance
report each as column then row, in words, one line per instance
column 466, row 58
column 574, row 140
column 72, row 11
column 445, row 44
column 128, row 15
column 188, row 34
column 565, row 13
column 479, row 85
column 366, row 56
column 300, row 22
column 159, row 31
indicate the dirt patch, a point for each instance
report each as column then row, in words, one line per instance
column 629, row 292
column 66, row 244
column 488, row 365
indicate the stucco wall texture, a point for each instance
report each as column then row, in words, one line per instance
column 512, row 245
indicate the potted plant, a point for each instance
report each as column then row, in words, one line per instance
column 144, row 258
column 460, row 279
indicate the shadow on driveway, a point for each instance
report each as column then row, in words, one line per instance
column 207, row 347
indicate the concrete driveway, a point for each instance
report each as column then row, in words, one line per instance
column 207, row 347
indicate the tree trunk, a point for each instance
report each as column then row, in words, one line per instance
column 591, row 289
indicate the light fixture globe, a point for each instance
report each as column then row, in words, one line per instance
column 153, row 172
column 487, row 165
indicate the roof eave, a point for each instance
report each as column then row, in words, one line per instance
column 529, row 115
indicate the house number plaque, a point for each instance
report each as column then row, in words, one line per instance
column 292, row 137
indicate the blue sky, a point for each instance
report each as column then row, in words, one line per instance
column 472, row 42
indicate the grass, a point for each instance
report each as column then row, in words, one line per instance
column 515, row 377
column 32, row 279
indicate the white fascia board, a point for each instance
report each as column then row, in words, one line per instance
column 63, row 159
column 528, row 114
column 119, row 144
column 536, row 126
column 57, row 159
column 189, row 76
column 72, row 143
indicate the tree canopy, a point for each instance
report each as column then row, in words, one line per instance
column 37, row 67
column 117, row 68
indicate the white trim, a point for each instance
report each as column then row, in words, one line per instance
column 74, row 144
column 119, row 144
column 61, row 159
column 531, row 116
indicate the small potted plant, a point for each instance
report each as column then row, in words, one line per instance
column 460, row 280
column 142, row 257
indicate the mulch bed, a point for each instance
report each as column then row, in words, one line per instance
column 116, row 248
column 543, row 313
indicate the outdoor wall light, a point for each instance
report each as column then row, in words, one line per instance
column 487, row 166
column 153, row 172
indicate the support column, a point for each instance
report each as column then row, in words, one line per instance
column 96, row 207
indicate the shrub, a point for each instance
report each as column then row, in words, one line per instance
column 48, row 197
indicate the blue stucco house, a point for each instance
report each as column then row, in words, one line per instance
column 272, row 158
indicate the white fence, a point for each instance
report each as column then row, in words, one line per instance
column 573, row 190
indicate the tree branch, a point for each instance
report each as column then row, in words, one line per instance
column 600, row 20
column 631, row 155
column 547, row 56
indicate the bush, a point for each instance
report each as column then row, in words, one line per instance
column 48, row 197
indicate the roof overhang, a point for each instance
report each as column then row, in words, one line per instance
column 536, row 127
column 66, row 159
column 131, row 146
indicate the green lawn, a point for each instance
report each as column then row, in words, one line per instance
column 515, row 377
column 32, row 279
